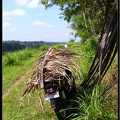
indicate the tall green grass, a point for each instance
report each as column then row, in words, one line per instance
column 89, row 106
column 15, row 58
column 43, row 47
column 15, row 64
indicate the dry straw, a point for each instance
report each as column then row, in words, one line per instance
column 52, row 65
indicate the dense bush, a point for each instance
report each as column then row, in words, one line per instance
column 14, row 58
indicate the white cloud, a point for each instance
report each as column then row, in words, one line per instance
column 14, row 12
column 42, row 24
column 21, row 2
column 19, row 12
column 6, row 24
column 38, row 23
column 29, row 3
column 50, row 25
column 12, row 29
column 6, row 13
column 33, row 3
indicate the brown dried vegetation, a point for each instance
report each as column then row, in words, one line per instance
column 52, row 65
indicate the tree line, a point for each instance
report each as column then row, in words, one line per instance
column 10, row 46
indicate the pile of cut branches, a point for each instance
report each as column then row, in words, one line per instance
column 52, row 65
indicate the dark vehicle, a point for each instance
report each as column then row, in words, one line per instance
column 60, row 94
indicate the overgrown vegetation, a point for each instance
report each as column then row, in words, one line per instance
column 89, row 106
column 16, row 63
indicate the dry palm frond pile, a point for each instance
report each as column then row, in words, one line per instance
column 52, row 65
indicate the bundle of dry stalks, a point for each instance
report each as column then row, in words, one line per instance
column 52, row 65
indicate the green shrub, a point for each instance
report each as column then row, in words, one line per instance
column 43, row 47
column 9, row 59
column 58, row 46
column 24, row 54
column 89, row 106
column 15, row 58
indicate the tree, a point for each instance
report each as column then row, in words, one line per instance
column 87, row 17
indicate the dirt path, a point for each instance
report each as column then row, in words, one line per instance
column 20, row 79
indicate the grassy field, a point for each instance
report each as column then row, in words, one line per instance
column 92, row 107
column 12, row 109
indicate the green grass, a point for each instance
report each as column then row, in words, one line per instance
column 23, row 60
column 13, row 110
column 15, row 58
column 89, row 106
column 85, row 56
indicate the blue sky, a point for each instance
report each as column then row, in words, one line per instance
column 26, row 20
